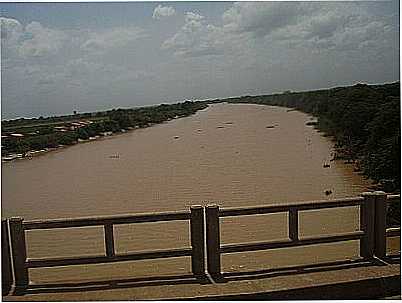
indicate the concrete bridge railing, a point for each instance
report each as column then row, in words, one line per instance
column 372, row 233
column 20, row 263
column 372, row 236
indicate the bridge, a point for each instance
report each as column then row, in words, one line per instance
column 374, row 274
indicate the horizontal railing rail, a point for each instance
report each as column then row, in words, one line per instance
column 391, row 198
column 257, row 210
column 393, row 231
column 98, row 221
column 254, row 246
column 21, row 263
column 155, row 254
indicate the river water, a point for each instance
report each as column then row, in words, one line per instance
column 227, row 154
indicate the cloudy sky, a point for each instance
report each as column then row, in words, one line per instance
column 56, row 58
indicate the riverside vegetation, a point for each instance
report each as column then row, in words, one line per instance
column 364, row 121
column 25, row 135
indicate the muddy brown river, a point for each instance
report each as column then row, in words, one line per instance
column 231, row 155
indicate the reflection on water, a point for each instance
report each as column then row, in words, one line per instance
column 231, row 155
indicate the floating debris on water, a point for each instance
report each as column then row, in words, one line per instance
column 176, row 137
column 270, row 126
column 117, row 156
column 220, row 127
column 228, row 122
column 328, row 192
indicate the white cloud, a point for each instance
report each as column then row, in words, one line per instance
column 262, row 18
column 328, row 26
column 163, row 11
column 11, row 29
column 310, row 25
column 112, row 38
column 193, row 17
column 40, row 63
column 11, row 32
column 197, row 38
column 337, row 30
column 33, row 40
column 41, row 41
column 250, row 48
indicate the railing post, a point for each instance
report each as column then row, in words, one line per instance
column 293, row 224
column 19, row 254
column 380, row 224
column 109, row 239
column 213, row 240
column 367, row 221
column 6, row 273
column 197, row 240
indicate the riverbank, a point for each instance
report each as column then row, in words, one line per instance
column 363, row 119
column 364, row 122
column 36, row 153
column 22, row 140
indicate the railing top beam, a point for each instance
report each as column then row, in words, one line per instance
column 185, row 215
column 99, row 221
column 393, row 232
column 345, row 202
column 393, row 197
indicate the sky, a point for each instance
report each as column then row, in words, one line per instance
column 57, row 58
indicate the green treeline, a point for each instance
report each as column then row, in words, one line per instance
column 41, row 133
column 364, row 121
